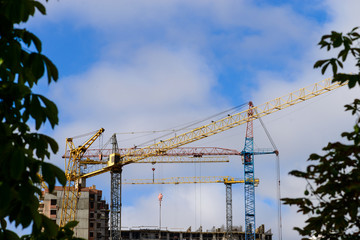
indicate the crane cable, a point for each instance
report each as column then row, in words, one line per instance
column 185, row 126
column 85, row 134
column 277, row 176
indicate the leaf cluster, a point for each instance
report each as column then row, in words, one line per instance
column 332, row 195
column 349, row 46
column 23, row 152
column 59, row 233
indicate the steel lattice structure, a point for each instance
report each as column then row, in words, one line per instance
column 249, row 178
column 71, row 191
column 117, row 161
column 115, row 206
column 229, row 216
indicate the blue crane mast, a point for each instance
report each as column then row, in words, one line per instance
column 249, row 175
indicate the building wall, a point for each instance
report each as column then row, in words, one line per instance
column 82, row 215
column 92, row 212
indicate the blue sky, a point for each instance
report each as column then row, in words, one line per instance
column 153, row 65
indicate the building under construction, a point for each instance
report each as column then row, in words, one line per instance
column 93, row 217
column 213, row 234
column 92, row 212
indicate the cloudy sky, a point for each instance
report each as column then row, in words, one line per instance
column 137, row 66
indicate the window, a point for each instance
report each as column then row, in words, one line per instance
column 98, row 225
column 91, row 204
column 53, row 202
column 91, row 234
column 91, row 215
column 91, row 225
column 98, row 235
column 52, row 212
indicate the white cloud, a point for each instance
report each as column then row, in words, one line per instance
column 135, row 95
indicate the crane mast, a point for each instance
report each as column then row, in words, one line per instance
column 115, row 206
column 229, row 217
column 248, row 155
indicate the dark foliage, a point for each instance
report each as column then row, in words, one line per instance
column 332, row 195
column 23, row 151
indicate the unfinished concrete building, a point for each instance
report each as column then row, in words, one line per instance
column 213, row 234
column 93, row 218
column 92, row 213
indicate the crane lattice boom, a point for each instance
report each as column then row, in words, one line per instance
column 187, row 180
column 167, row 159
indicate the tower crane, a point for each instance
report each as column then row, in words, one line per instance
column 228, row 181
column 117, row 161
column 71, row 192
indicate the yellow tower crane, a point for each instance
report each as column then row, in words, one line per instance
column 228, row 181
column 117, row 161
column 71, row 191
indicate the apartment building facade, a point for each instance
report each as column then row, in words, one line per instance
column 92, row 213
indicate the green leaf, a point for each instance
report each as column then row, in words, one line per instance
column 71, row 224
column 35, row 40
column 40, row 7
column 334, row 67
column 320, row 63
column 37, row 65
column 337, row 39
column 36, row 218
column 10, row 235
column 48, row 175
column 51, row 111
column 17, row 164
column 52, row 71
column 351, row 83
column 314, row 156
column 325, row 67
column 51, row 171
column 53, row 144
column 343, row 54
column 5, row 201
column 50, row 227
